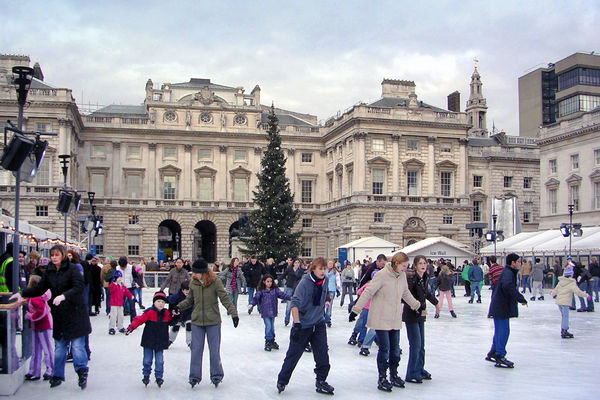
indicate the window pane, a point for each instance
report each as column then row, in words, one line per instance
column 239, row 189
column 98, row 150
column 378, row 176
column 204, row 154
column 477, row 181
column 170, row 152
column 306, row 157
column 307, row 222
column 378, row 144
column 205, row 189
column 134, row 186
column 412, row 183
column 239, row 155
column 134, row 151
column 597, row 157
column 133, row 245
column 597, row 194
column 477, row 210
column 169, row 187
column 97, row 184
column 446, row 183
column 306, row 191
column 412, row 144
column 42, row 176
column 306, row 250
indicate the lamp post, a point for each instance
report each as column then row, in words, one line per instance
column 23, row 78
column 91, row 196
column 571, row 206
column 64, row 160
column 494, row 235
column 494, row 219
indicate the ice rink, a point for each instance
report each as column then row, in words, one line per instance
column 547, row 367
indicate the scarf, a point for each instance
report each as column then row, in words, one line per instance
column 318, row 289
column 233, row 279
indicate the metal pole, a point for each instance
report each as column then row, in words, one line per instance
column 17, row 234
column 570, row 226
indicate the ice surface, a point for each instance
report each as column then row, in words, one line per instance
column 547, row 367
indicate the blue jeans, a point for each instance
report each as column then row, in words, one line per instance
column 369, row 339
column 234, row 297
column 137, row 294
column 526, row 284
column 475, row 287
column 251, row 291
column 107, row 299
column 269, row 328
column 360, row 326
column 290, row 291
column 587, row 287
column 329, row 309
column 80, row 357
column 564, row 313
column 389, row 350
column 432, row 282
column 596, row 286
column 158, row 362
column 501, row 334
column 130, row 304
column 416, row 358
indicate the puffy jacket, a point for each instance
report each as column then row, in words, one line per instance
column 39, row 312
column 292, row 278
column 387, row 290
column 174, row 279
column 106, row 274
column 253, row 273
column 475, row 273
column 564, row 290
column 595, row 269
column 240, row 281
column 444, row 281
column 71, row 317
column 310, row 315
column 177, row 298
column 348, row 275
column 118, row 294
column 204, row 298
column 333, row 280
column 267, row 299
column 537, row 273
column 156, row 331
column 418, row 288
column 506, row 296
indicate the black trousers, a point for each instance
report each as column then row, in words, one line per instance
column 317, row 337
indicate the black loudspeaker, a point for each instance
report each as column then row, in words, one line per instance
column 64, row 202
column 15, row 153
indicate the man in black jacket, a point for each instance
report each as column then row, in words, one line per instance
column 367, row 271
column 253, row 270
column 595, row 271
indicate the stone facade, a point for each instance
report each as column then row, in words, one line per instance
column 174, row 175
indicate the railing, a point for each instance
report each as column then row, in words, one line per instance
column 43, row 92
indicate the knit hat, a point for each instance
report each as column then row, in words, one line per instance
column 200, row 266
column 568, row 272
column 117, row 274
column 160, row 295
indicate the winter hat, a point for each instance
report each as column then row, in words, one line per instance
column 160, row 295
column 116, row 275
column 568, row 272
column 200, row 266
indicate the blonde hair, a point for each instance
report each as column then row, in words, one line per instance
column 445, row 269
column 34, row 280
column 34, row 255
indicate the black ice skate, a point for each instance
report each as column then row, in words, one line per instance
column 565, row 334
column 280, row 387
column 274, row 345
column 111, row 331
column 83, row 375
column 383, row 384
column 453, row 313
column 502, row 362
column 216, row 382
column 160, row 381
column 491, row 356
column 352, row 340
column 267, row 345
column 395, row 380
column 194, row 382
column 541, row 298
column 324, row 387
column 146, row 380
column 364, row 352
column 308, row 348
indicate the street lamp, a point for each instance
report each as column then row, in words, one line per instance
column 571, row 229
column 494, row 235
column 65, row 197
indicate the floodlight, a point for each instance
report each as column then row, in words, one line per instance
column 489, row 236
column 65, row 200
column 16, row 152
column 564, row 230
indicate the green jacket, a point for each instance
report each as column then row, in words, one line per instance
column 204, row 301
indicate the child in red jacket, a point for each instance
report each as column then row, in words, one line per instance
column 118, row 291
column 42, row 343
column 155, row 337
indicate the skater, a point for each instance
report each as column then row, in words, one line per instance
column 293, row 275
column 476, row 278
column 234, row 280
column 563, row 293
column 307, row 305
column 415, row 321
column 184, row 320
column 69, row 313
column 465, row 276
column 155, row 337
column 266, row 297
column 494, row 273
column 41, row 323
column 503, row 307
column 206, row 289
column 444, row 286
column 525, row 274
column 369, row 336
column 388, row 288
column 585, row 281
column 347, row 283
column 118, row 292
column 537, row 279
column 333, row 288
column 176, row 276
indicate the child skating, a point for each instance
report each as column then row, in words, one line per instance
column 563, row 292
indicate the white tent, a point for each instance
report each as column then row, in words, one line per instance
column 366, row 247
column 439, row 247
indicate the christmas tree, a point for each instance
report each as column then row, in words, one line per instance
column 269, row 233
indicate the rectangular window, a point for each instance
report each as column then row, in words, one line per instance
column 527, row 182
column 330, row 186
column 133, row 245
column 240, row 189
column 134, row 186
column 134, row 219
column 97, row 184
column 378, row 145
column 42, row 127
column 597, row 156
column 574, row 196
column 307, row 222
column 306, row 191
column 412, row 182
column 41, row 211
column 307, row 158
column 170, row 152
column 378, row 217
column 412, row 145
column 239, row 155
column 553, row 200
column 446, row 148
column 477, row 181
column 378, row 176
column 306, row 250
column 574, row 161
column 98, row 150
column 350, row 183
column 446, row 183
column 527, row 211
column 99, row 248
column 42, row 176
column 552, row 166
column 597, row 195
column 134, row 152
column 205, row 188
column 508, row 181
column 447, row 219
column 204, row 154
column 340, row 186
column 169, row 187
column 477, row 205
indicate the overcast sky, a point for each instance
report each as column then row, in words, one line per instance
column 314, row 57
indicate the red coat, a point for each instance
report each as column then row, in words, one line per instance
column 156, row 329
column 39, row 312
column 117, row 294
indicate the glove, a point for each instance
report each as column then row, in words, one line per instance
column 337, row 293
column 236, row 321
column 352, row 316
column 128, row 331
column 421, row 307
column 296, row 332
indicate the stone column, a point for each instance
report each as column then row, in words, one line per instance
column 152, row 172
column 462, row 170
column 187, row 172
column 396, row 164
column 117, row 173
column 431, row 165
column 222, row 179
column 360, row 164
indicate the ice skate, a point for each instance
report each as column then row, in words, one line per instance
column 383, row 384
column 479, row 300
column 502, row 362
column 193, row 382
column 160, row 381
column 83, row 375
column 146, row 380
column 324, row 387
column 111, row 331
column 352, row 340
column 437, row 315
column 216, row 382
column 541, row 298
column 308, row 348
column 364, row 352
column 491, row 356
column 55, row 381
column 453, row 313
column 395, row 380
column 267, row 345
column 471, row 301
column 565, row 334
column 532, row 298
column 274, row 345
column 280, row 387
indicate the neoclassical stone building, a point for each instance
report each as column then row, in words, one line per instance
column 174, row 174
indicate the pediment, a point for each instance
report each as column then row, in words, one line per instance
column 240, row 171
column 552, row 182
column 413, row 162
column 573, row 179
column 205, row 171
column 169, row 169
column 595, row 175
column 478, row 195
column 379, row 160
column 446, row 164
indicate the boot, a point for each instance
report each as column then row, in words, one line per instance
column 193, row 382
column 395, row 380
column 383, row 384
column 267, row 345
column 491, row 356
column 502, row 362
column 532, row 298
column 280, row 387
column 83, row 375
column 324, row 387
column 55, row 381
column 565, row 334
column 160, row 381
column 352, row 340
column 471, row 301
column 146, row 380
column 479, row 300
column 216, row 382
column 274, row 345
column 111, row 331
column 541, row 298
column 364, row 352
column 437, row 315
column 453, row 313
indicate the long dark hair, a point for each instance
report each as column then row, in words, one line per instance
column 263, row 286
